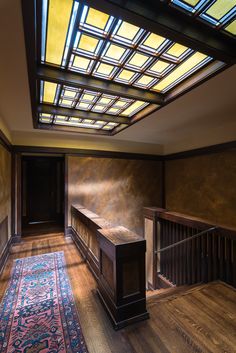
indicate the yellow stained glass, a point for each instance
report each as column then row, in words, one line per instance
column 192, row 2
column 82, row 105
column 138, row 60
column 87, row 121
column 98, row 108
column 113, row 110
column 58, row 22
column 97, row 18
column 145, row 80
column 120, row 104
column 115, row 52
column 154, row 41
column 132, row 108
column 88, row 43
column 74, row 120
column 66, row 102
column 70, row 94
column 231, row 27
column 105, row 69
column 127, row 30
column 49, row 92
column 159, row 66
column 176, row 50
column 105, row 100
column 126, row 75
column 81, row 63
column 181, row 70
column 220, row 8
column 88, row 97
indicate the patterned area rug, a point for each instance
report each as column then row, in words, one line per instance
column 38, row 312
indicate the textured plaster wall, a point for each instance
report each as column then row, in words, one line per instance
column 5, row 191
column 204, row 186
column 116, row 189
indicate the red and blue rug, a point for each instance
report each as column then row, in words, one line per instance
column 38, row 312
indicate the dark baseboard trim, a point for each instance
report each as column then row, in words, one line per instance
column 5, row 254
column 201, row 151
column 16, row 239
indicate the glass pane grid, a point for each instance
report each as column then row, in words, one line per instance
column 76, row 122
column 217, row 13
column 112, row 49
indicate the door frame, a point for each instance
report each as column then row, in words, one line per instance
column 17, row 191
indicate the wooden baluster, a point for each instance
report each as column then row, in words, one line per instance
column 209, row 258
column 204, row 258
column 177, row 257
column 193, row 258
column 215, row 260
column 168, row 252
column 173, row 255
column 163, row 255
column 234, row 262
column 228, row 260
column 222, row 258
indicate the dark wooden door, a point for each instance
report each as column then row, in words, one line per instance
column 43, row 201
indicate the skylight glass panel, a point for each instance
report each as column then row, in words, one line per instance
column 134, row 108
column 99, row 108
column 160, row 68
column 49, row 92
column 87, row 44
column 126, row 76
column 231, row 28
column 126, row 33
column 89, row 96
column 138, row 61
column 66, row 103
column 176, row 52
column 55, row 30
column 110, row 126
column 154, row 43
column 114, row 111
column 96, row 21
column 83, row 106
column 114, row 53
column 80, row 64
column 105, row 70
column 219, row 11
column 145, row 81
column 45, row 118
column 196, row 61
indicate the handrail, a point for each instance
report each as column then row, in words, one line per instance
column 187, row 239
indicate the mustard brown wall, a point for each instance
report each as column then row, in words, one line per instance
column 203, row 186
column 116, row 189
column 5, row 197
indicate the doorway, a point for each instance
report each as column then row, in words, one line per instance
column 42, row 194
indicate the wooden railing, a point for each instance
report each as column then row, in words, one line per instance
column 208, row 255
column 116, row 257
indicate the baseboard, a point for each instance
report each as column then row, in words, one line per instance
column 68, row 231
column 5, row 254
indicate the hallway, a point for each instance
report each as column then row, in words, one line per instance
column 200, row 319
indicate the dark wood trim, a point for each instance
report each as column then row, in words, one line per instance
column 77, row 80
column 5, row 254
column 155, row 16
column 202, row 151
column 86, row 152
column 67, row 229
column 4, row 141
column 18, row 195
column 30, row 27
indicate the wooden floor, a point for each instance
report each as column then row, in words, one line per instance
column 202, row 319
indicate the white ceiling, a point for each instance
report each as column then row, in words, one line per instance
column 202, row 117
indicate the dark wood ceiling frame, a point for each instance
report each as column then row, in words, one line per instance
column 77, row 80
column 151, row 15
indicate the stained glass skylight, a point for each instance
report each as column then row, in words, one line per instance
column 80, row 39
column 220, row 14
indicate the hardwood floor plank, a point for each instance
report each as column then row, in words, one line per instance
column 199, row 319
